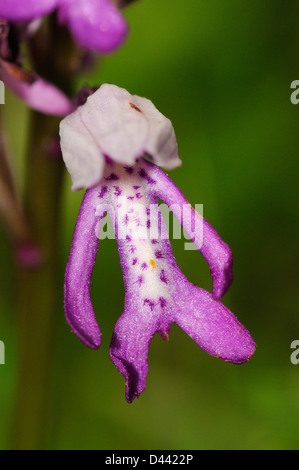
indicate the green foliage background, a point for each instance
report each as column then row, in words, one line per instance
column 221, row 71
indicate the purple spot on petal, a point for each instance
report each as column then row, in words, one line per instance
column 148, row 223
column 126, row 219
column 143, row 266
column 112, row 177
column 132, row 249
column 140, row 280
column 135, row 261
column 163, row 302
column 159, row 254
column 128, row 238
column 150, row 303
column 154, row 241
column 136, row 187
column 143, row 174
column 139, row 196
column 130, row 198
column 148, row 211
column 128, row 169
column 103, row 191
column 163, row 276
column 117, row 191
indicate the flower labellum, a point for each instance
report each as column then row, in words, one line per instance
column 112, row 146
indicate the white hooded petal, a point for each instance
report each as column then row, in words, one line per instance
column 161, row 143
column 118, row 128
column 117, row 125
column 81, row 153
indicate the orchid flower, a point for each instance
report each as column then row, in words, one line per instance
column 34, row 90
column 95, row 24
column 112, row 146
column 38, row 93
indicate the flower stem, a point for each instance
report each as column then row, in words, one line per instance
column 39, row 288
column 54, row 57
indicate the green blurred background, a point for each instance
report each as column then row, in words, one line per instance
column 221, row 71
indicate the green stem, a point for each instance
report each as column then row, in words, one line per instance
column 39, row 289
column 53, row 55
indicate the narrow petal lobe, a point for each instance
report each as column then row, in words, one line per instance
column 77, row 303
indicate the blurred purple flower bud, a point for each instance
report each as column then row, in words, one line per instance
column 95, row 24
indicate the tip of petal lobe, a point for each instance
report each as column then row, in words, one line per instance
column 134, row 387
column 242, row 355
column 82, row 325
column 93, row 341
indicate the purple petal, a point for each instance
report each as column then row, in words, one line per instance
column 26, row 10
column 156, row 292
column 160, row 294
column 77, row 303
column 95, row 24
column 130, row 343
column 215, row 251
column 211, row 325
column 37, row 93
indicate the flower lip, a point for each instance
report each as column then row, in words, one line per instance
column 157, row 293
column 118, row 127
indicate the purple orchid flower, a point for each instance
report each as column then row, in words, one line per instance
column 95, row 24
column 28, row 86
column 34, row 90
column 107, row 144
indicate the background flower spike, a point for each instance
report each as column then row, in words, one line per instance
column 35, row 91
column 95, row 25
